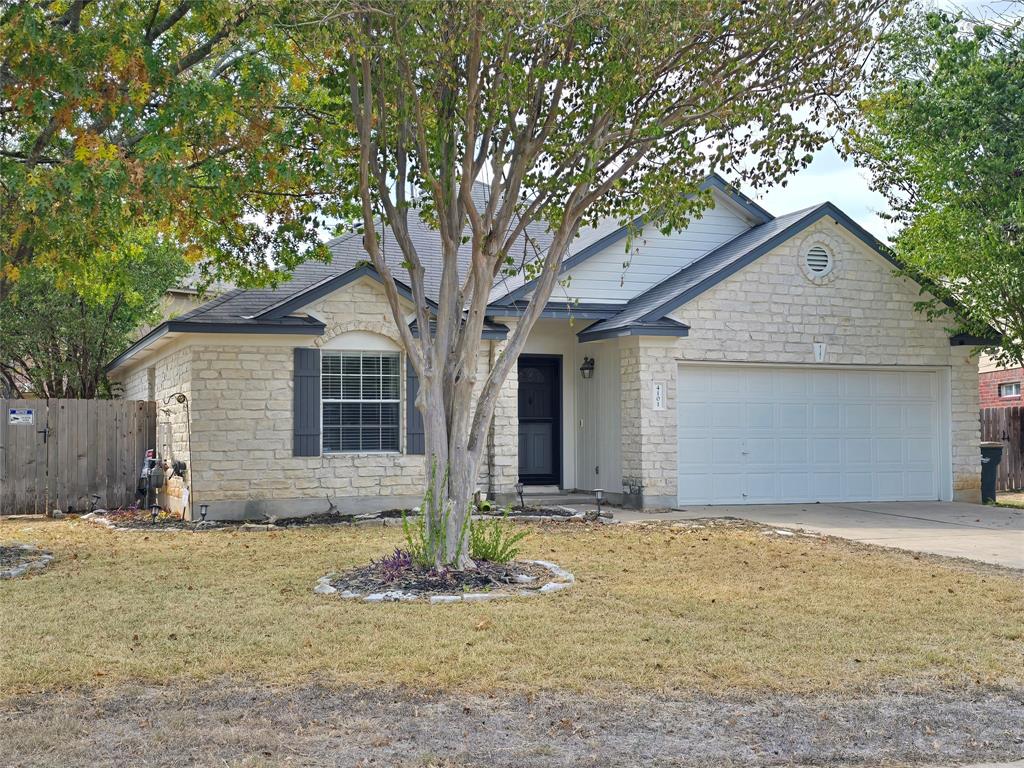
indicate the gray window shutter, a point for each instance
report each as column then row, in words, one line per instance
column 306, row 403
column 414, row 437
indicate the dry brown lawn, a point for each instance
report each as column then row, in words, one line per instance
column 655, row 609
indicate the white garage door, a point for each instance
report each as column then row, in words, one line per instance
column 759, row 435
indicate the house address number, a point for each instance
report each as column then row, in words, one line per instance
column 658, row 391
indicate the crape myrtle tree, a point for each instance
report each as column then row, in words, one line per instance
column 192, row 115
column 942, row 133
column 568, row 111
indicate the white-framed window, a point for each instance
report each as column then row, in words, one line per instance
column 361, row 396
column 1009, row 389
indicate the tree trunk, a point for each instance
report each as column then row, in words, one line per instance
column 451, row 468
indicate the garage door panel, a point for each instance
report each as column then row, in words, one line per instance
column 793, row 450
column 826, row 486
column 920, row 484
column 888, row 384
column 693, row 418
column 795, row 485
column 919, row 384
column 793, row 416
column 888, row 450
column 827, row 451
column 917, row 419
column 826, row 383
column 759, row 434
column 858, row 484
column 761, row 450
column 857, row 384
column 727, row 415
column 857, row 450
column 761, row 415
column 857, row 417
column 826, row 416
column 693, row 450
column 726, row 450
column 761, row 487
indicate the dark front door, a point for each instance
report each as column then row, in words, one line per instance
column 540, row 420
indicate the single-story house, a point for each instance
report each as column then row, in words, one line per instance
column 746, row 359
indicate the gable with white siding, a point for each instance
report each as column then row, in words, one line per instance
column 615, row 275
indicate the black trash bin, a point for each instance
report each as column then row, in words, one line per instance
column 991, row 455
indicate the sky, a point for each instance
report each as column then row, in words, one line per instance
column 830, row 178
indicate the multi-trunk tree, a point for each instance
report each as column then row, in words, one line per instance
column 943, row 136
column 567, row 112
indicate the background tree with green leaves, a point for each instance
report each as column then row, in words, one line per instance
column 942, row 133
column 567, row 111
column 194, row 116
column 58, row 332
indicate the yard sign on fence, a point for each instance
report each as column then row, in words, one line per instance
column 60, row 454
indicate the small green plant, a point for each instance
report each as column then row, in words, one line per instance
column 424, row 541
column 494, row 540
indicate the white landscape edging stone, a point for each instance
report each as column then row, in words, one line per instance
column 37, row 563
column 563, row 579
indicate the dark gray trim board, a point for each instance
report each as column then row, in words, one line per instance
column 668, row 327
column 302, row 326
column 970, row 340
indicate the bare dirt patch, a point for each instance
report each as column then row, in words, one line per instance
column 314, row 725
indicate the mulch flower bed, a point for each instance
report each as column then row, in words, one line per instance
column 18, row 559
column 397, row 579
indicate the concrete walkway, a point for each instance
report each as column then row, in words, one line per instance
column 989, row 534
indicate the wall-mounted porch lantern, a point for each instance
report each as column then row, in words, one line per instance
column 587, row 369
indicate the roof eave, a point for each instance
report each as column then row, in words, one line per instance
column 670, row 329
column 307, row 327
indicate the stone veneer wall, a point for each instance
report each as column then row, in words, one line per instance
column 242, row 425
column 648, row 436
column 772, row 312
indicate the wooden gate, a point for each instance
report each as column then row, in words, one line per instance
column 62, row 454
column 1006, row 426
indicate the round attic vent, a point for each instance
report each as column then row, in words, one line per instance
column 818, row 260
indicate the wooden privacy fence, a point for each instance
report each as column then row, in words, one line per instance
column 59, row 454
column 1006, row 426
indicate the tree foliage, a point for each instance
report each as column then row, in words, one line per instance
column 57, row 332
column 194, row 116
column 567, row 111
column 943, row 136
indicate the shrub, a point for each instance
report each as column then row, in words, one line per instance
column 495, row 540
column 394, row 565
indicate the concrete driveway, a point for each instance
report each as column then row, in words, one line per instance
column 989, row 534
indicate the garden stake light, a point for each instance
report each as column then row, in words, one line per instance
column 599, row 496
column 519, row 490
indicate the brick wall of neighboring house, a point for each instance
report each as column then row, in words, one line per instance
column 988, row 388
